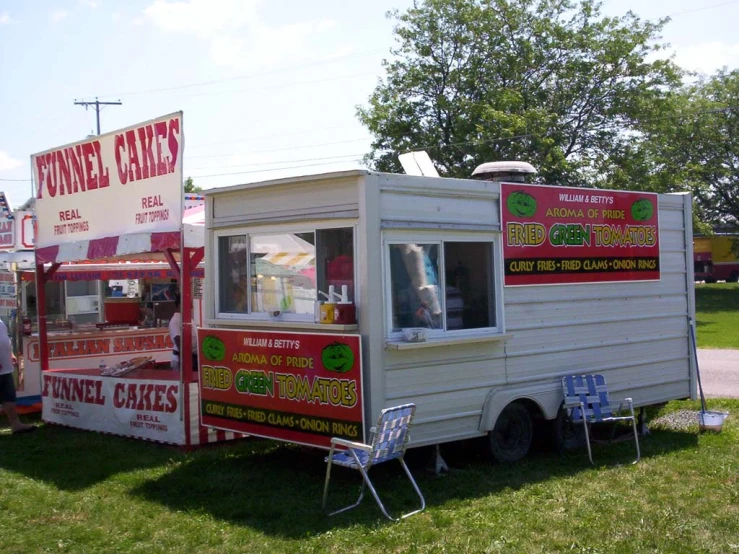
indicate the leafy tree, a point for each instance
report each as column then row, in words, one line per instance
column 190, row 186
column 551, row 82
column 698, row 147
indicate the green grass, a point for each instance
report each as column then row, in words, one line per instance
column 63, row 490
column 717, row 315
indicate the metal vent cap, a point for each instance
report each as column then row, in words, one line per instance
column 504, row 171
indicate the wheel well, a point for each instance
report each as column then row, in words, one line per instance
column 542, row 400
column 533, row 408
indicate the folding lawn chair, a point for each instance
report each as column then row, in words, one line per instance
column 586, row 400
column 389, row 440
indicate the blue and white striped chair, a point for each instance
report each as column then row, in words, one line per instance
column 389, row 441
column 586, row 401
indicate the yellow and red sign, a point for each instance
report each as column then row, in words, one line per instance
column 555, row 235
column 297, row 387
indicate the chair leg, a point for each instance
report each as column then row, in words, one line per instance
column 587, row 433
column 325, row 487
column 367, row 481
column 415, row 487
column 347, row 508
column 328, row 477
column 372, row 489
column 636, row 435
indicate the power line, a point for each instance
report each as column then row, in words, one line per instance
column 534, row 135
column 470, row 143
column 302, row 147
column 16, row 180
column 274, row 169
column 308, row 146
column 318, row 63
column 262, row 137
column 703, row 8
column 499, row 139
column 350, row 156
column 273, row 87
column 426, row 147
column 248, row 76
column 696, row 113
column 97, row 103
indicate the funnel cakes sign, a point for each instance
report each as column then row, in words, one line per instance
column 125, row 182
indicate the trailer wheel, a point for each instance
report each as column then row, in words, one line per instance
column 709, row 280
column 510, row 439
column 733, row 278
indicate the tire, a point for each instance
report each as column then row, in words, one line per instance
column 733, row 278
column 709, row 280
column 511, row 437
column 567, row 435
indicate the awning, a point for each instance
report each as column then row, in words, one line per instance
column 291, row 260
column 113, row 271
column 24, row 259
column 135, row 244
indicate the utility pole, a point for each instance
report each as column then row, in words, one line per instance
column 97, row 103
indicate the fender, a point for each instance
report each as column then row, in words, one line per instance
column 547, row 395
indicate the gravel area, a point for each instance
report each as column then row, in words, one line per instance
column 681, row 420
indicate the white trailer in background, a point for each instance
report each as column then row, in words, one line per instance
column 517, row 286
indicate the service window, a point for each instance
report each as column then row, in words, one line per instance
column 265, row 273
column 445, row 286
column 232, row 282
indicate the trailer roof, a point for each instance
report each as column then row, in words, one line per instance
column 285, row 180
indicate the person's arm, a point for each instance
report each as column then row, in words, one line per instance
column 5, row 343
column 175, row 329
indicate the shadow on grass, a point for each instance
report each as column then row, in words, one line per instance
column 72, row 459
column 277, row 488
column 717, row 297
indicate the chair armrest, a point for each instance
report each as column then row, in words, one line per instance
column 336, row 441
column 628, row 402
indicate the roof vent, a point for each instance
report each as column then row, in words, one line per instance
column 517, row 172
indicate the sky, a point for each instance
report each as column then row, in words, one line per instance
column 269, row 88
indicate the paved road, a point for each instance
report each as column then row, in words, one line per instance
column 719, row 371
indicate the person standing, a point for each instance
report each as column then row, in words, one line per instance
column 7, row 385
column 175, row 331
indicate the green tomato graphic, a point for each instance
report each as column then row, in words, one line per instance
column 337, row 357
column 214, row 349
column 642, row 210
column 521, row 204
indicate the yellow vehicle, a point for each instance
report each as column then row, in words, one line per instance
column 716, row 258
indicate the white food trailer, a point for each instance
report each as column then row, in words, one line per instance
column 473, row 299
